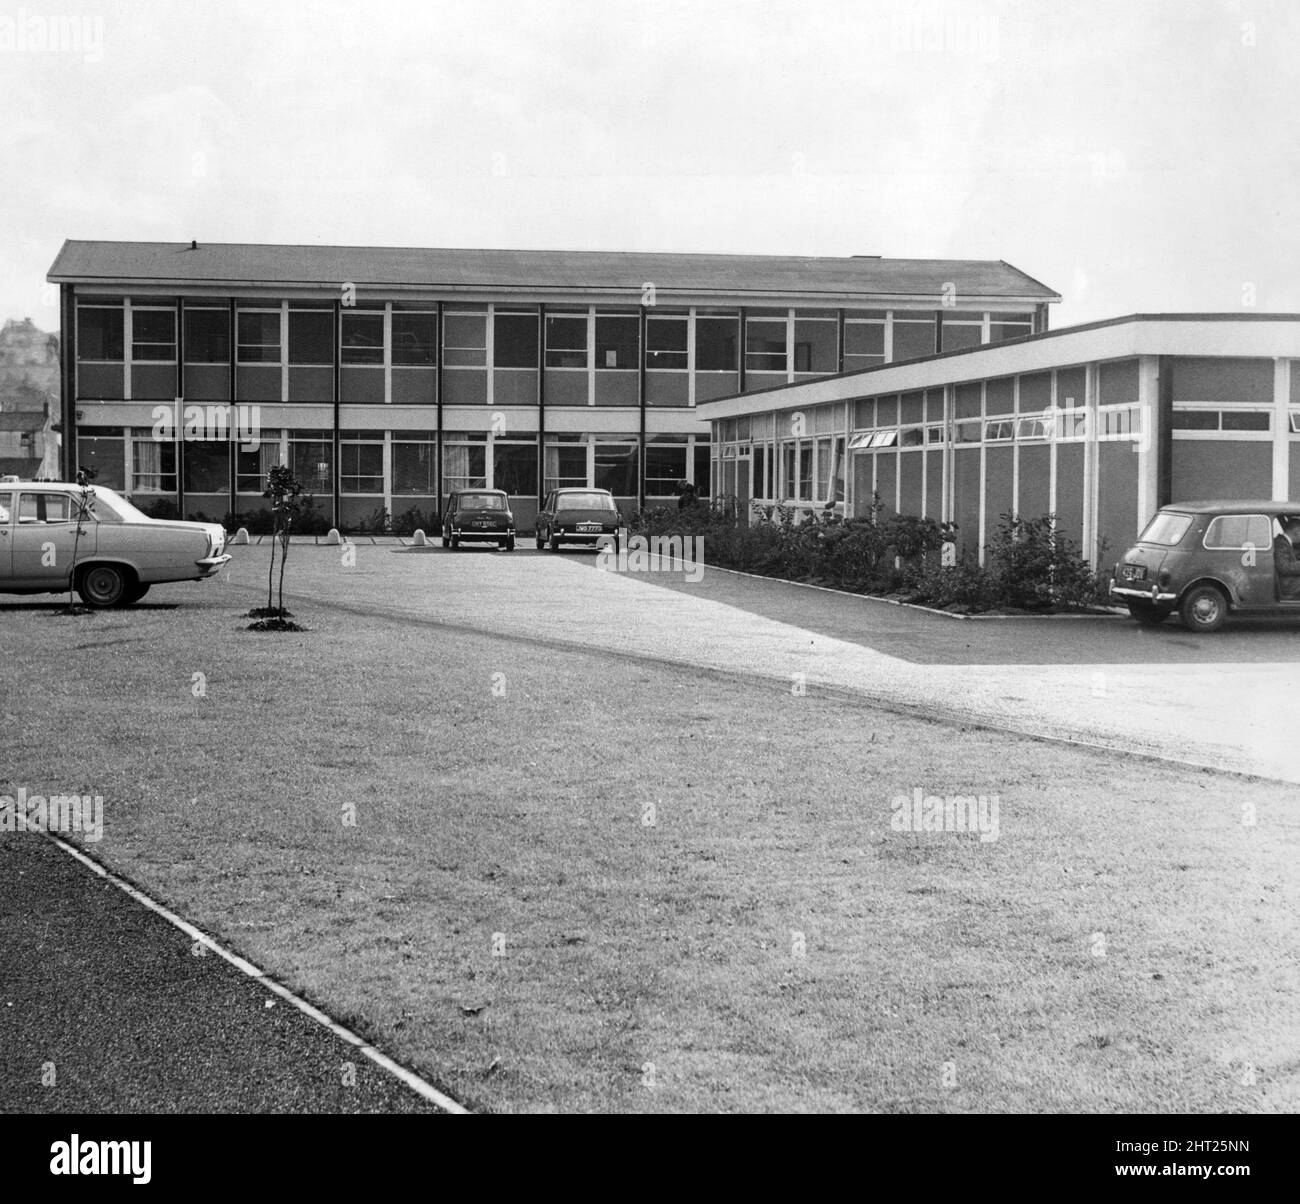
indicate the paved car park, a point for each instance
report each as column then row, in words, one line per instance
column 1219, row 700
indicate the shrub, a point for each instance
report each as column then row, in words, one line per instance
column 1035, row 567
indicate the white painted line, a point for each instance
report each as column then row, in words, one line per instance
column 408, row 1077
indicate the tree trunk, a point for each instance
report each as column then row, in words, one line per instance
column 270, row 571
column 284, row 555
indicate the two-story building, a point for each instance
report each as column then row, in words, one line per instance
column 387, row 377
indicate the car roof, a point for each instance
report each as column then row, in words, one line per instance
column 494, row 492
column 582, row 489
column 1234, row 506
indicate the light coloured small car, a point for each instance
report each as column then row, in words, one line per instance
column 118, row 554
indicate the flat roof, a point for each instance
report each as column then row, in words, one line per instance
column 234, row 265
column 1228, row 335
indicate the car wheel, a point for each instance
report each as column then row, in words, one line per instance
column 102, row 585
column 133, row 594
column 510, row 544
column 453, row 543
column 554, row 542
column 1204, row 608
column 1148, row 614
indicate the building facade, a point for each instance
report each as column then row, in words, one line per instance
column 387, row 377
column 1098, row 424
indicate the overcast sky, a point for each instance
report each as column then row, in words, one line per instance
column 1133, row 155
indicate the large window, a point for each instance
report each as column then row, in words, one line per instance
column 514, row 340
column 665, row 337
column 816, row 342
column 913, row 336
column 104, row 450
column 618, row 341
column 153, row 463
column 311, row 336
column 961, row 329
column 100, row 333
column 258, row 340
column 616, row 467
column 253, row 467
column 665, row 465
column 566, row 341
column 566, row 462
column 362, row 336
column 1009, row 326
column 464, row 339
column 864, row 339
column 414, row 464
column 765, row 349
column 153, row 334
column 415, row 339
column 206, row 465
column 207, row 336
column 311, row 455
column 361, row 462
column 716, row 343
column 514, row 465
column 464, row 462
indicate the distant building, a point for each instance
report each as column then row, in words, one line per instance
column 29, row 400
column 387, row 377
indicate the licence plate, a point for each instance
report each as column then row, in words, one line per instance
column 588, row 526
column 482, row 522
column 1133, row 572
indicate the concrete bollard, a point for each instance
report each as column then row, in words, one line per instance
column 333, row 538
column 241, row 536
column 419, row 539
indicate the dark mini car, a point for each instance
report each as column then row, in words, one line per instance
column 582, row 516
column 1207, row 559
column 478, row 516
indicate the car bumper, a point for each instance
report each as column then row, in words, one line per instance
column 1154, row 595
column 585, row 536
column 478, row 533
column 211, row 565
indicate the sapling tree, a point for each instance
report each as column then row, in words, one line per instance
column 284, row 491
column 85, row 503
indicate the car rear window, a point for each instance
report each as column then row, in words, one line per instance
column 1166, row 528
column 482, row 501
column 585, row 501
column 1237, row 531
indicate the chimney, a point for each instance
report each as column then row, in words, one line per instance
column 194, row 244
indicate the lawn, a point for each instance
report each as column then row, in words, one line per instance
column 551, row 879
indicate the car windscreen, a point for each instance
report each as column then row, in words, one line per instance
column 585, row 501
column 482, row 501
column 1166, row 528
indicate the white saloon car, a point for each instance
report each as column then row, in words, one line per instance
column 119, row 554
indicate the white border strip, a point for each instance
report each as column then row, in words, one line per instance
column 1112, row 613
column 401, row 1073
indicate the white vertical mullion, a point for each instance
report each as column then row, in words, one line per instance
column 789, row 354
column 388, row 472
column 984, row 466
column 490, row 347
column 986, row 327
column 1091, row 459
column 1148, row 434
column 388, row 350
column 591, row 372
column 128, row 337
column 889, row 336
column 1282, row 369
column 1054, row 440
column 129, row 452
column 284, row 352
column 591, row 458
column 1015, row 446
column 690, row 365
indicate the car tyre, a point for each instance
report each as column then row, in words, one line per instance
column 1148, row 614
column 454, row 543
column 509, row 545
column 133, row 594
column 102, row 585
column 1204, row 609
